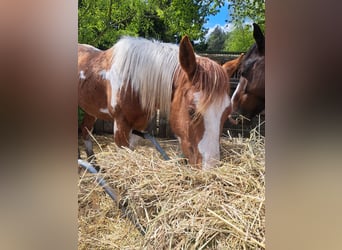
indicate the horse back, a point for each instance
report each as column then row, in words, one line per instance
column 93, row 87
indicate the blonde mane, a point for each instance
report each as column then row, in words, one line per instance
column 149, row 67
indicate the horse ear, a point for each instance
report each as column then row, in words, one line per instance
column 259, row 38
column 187, row 57
column 232, row 65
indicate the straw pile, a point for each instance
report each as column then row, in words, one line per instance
column 174, row 205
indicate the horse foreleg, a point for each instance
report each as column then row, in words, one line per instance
column 123, row 135
column 121, row 132
column 87, row 127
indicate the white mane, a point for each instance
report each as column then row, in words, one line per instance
column 149, row 67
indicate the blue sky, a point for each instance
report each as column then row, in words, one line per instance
column 219, row 18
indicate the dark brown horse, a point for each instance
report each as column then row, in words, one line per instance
column 127, row 83
column 249, row 97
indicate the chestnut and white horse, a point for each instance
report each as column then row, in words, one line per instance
column 127, row 83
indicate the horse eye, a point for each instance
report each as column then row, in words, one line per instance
column 191, row 112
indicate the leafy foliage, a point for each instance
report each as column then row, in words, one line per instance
column 102, row 22
column 247, row 9
column 240, row 39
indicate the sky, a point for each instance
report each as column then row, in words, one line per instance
column 219, row 20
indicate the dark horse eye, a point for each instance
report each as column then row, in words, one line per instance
column 191, row 112
column 247, row 68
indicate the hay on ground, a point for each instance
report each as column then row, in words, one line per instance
column 177, row 207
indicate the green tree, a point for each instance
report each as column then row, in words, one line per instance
column 240, row 39
column 102, row 22
column 188, row 16
column 217, row 39
column 240, row 10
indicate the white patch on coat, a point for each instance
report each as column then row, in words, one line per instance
column 115, row 83
column 82, row 75
column 105, row 111
column 209, row 146
column 103, row 74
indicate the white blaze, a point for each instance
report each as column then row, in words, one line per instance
column 240, row 87
column 209, row 146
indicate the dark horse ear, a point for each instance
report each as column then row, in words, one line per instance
column 187, row 58
column 259, row 38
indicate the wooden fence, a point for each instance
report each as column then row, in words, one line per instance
column 159, row 126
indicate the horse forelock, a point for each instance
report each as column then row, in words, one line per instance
column 148, row 66
column 212, row 81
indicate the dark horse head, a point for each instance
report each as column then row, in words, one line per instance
column 249, row 97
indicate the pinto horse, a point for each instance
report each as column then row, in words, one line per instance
column 128, row 82
column 249, row 96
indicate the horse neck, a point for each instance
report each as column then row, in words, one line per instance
column 149, row 69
